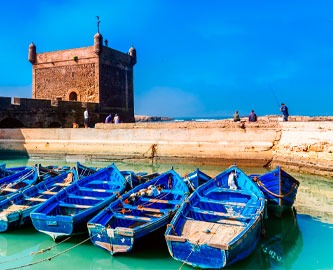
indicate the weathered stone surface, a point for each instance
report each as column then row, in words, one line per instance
column 298, row 146
column 305, row 147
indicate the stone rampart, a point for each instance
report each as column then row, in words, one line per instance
column 300, row 146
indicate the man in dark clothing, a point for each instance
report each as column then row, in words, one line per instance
column 252, row 117
column 284, row 110
column 108, row 119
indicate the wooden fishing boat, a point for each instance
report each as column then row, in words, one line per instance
column 279, row 188
column 142, row 210
column 83, row 170
column 134, row 179
column 15, row 210
column 11, row 170
column 45, row 172
column 18, row 181
column 219, row 224
column 67, row 212
column 196, row 178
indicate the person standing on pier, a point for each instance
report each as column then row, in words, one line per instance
column 284, row 110
column 116, row 119
column 108, row 119
column 86, row 118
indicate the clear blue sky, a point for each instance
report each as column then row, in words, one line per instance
column 195, row 58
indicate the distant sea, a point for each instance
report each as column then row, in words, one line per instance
column 201, row 119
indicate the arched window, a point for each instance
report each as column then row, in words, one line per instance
column 73, row 96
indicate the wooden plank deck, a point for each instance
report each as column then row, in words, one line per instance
column 212, row 234
column 13, row 208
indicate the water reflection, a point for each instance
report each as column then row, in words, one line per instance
column 315, row 197
column 280, row 246
column 288, row 244
column 282, row 242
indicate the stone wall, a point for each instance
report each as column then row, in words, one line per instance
column 39, row 113
column 298, row 146
column 59, row 73
column 303, row 147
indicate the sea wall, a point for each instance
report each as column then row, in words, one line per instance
column 305, row 147
column 299, row 146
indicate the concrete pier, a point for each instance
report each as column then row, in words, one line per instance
column 297, row 146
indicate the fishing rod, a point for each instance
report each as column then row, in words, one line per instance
column 276, row 99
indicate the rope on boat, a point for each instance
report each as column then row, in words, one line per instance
column 172, row 228
column 197, row 243
column 36, row 252
column 188, row 182
column 56, row 255
column 294, row 186
column 21, row 178
column 185, row 261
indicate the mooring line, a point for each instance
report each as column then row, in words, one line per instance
column 56, row 255
column 36, row 252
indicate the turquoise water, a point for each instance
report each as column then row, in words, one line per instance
column 300, row 241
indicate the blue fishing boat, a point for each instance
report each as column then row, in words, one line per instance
column 67, row 212
column 220, row 223
column 15, row 210
column 134, row 179
column 83, row 170
column 11, row 170
column 144, row 209
column 196, row 178
column 45, row 172
column 18, row 181
column 279, row 188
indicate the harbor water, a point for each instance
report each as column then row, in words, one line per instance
column 302, row 239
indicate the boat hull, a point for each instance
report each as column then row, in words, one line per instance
column 68, row 211
column 218, row 225
column 279, row 188
column 137, row 213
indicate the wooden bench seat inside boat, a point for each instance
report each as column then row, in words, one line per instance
column 152, row 200
column 72, row 205
column 7, row 189
column 220, row 214
column 132, row 217
column 94, row 189
column 231, row 203
column 35, row 199
column 85, row 197
column 49, row 192
column 62, row 184
column 143, row 208
column 227, row 190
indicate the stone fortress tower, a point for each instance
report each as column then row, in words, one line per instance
column 66, row 82
column 95, row 74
